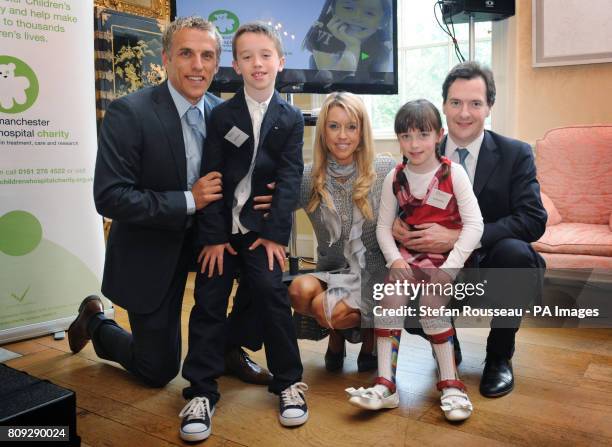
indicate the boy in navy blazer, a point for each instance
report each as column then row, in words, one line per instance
column 253, row 139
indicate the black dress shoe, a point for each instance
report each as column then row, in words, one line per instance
column 366, row 361
column 497, row 377
column 239, row 364
column 77, row 332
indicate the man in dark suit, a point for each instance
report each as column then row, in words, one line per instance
column 147, row 180
column 503, row 173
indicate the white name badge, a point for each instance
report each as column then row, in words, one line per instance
column 438, row 199
column 236, row 136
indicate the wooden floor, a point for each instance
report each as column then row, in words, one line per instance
column 563, row 396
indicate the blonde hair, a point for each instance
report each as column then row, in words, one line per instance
column 364, row 155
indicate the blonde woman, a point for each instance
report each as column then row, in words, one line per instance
column 340, row 194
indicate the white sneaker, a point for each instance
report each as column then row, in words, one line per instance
column 456, row 404
column 197, row 420
column 293, row 410
column 373, row 398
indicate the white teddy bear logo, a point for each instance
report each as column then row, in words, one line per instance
column 12, row 88
column 224, row 23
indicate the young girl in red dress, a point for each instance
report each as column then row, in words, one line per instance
column 426, row 188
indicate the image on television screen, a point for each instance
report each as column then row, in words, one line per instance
column 329, row 44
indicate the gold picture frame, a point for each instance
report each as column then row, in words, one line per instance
column 158, row 9
column 128, row 55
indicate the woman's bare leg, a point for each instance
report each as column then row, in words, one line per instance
column 303, row 291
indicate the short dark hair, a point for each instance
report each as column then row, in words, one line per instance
column 258, row 28
column 192, row 22
column 470, row 70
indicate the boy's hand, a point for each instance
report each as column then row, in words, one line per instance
column 207, row 189
column 264, row 202
column 212, row 255
column 273, row 249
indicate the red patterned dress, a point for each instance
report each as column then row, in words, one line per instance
column 415, row 211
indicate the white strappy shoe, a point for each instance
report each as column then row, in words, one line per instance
column 373, row 398
column 454, row 401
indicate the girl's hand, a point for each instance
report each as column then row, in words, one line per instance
column 338, row 28
column 400, row 271
column 439, row 276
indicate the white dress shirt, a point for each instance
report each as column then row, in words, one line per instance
column 471, row 160
column 257, row 110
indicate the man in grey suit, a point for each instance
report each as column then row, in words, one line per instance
column 147, row 180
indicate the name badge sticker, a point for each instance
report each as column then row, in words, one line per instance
column 438, row 199
column 236, row 136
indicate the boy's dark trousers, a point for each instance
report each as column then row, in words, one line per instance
column 208, row 326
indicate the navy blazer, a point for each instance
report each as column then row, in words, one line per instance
column 507, row 190
column 279, row 159
column 140, row 182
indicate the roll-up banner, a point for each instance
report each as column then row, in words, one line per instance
column 51, row 239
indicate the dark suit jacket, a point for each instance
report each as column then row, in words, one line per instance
column 507, row 190
column 140, row 179
column 279, row 159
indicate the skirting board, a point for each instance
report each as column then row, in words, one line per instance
column 43, row 328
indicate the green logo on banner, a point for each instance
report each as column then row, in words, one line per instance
column 18, row 85
column 20, row 233
column 226, row 21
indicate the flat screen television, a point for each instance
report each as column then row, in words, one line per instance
column 329, row 45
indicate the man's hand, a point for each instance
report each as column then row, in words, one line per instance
column 425, row 238
column 264, row 202
column 400, row 231
column 207, row 189
column 212, row 255
column 273, row 250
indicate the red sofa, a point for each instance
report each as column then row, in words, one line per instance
column 574, row 166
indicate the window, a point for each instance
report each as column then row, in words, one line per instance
column 425, row 55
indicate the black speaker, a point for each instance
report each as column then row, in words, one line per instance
column 27, row 401
column 482, row 10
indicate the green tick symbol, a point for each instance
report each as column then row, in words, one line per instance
column 20, row 298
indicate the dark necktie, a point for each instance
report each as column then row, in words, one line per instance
column 463, row 153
